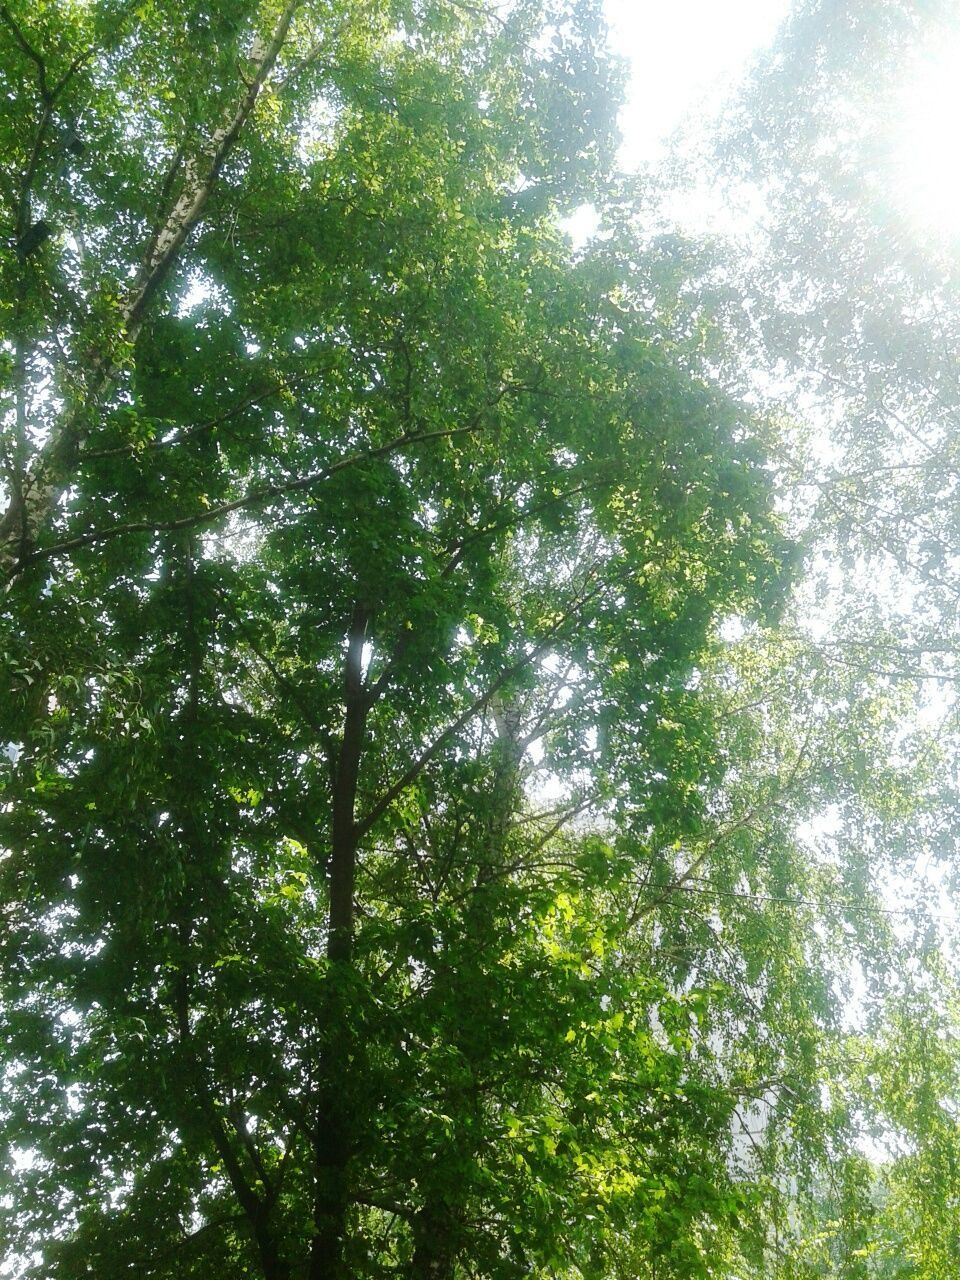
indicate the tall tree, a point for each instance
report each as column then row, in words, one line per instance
column 399, row 868
column 853, row 303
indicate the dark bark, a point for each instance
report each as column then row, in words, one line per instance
column 343, row 846
column 334, row 1139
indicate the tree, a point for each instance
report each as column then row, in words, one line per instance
column 371, row 733
column 857, row 311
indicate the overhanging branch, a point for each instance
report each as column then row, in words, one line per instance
column 255, row 499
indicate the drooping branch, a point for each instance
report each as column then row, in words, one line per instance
column 643, row 908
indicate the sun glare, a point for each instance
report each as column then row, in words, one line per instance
column 927, row 172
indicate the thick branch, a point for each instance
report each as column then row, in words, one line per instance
column 26, row 48
column 257, row 498
column 201, row 176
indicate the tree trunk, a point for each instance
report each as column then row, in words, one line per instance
column 334, row 1140
column 436, row 1241
column 41, row 484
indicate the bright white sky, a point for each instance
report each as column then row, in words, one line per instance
column 686, row 55
column 925, row 126
column 681, row 53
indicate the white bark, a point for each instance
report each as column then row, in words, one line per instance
column 47, row 475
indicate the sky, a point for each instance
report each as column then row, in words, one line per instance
column 925, row 115
column 681, row 52
column 688, row 54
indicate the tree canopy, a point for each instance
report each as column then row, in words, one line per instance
column 433, row 842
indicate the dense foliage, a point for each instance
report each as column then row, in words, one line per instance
column 408, row 857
